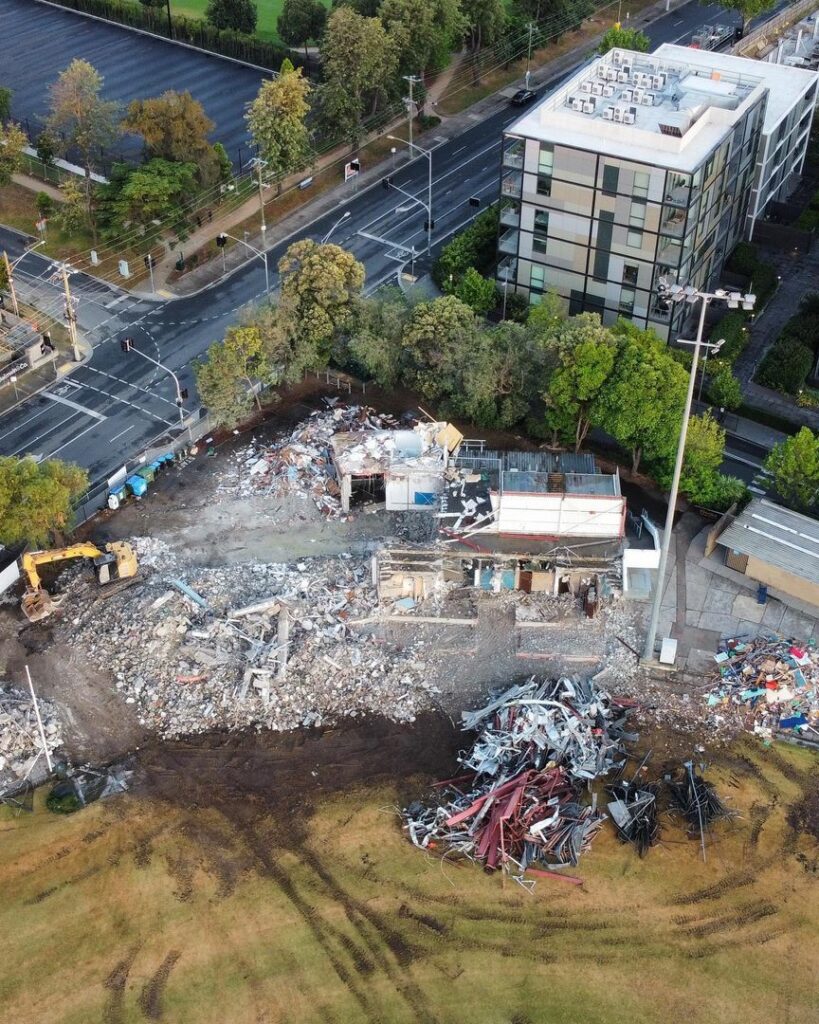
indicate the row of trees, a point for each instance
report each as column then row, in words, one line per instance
column 559, row 376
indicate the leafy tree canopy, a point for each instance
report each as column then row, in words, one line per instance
column 239, row 15
column 794, row 464
column 36, row 499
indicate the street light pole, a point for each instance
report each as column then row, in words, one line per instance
column 678, row 293
column 343, row 217
column 259, row 163
column 258, row 252
column 708, row 349
column 529, row 54
column 428, row 154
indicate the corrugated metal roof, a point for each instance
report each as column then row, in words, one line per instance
column 776, row 535
column 528, row 462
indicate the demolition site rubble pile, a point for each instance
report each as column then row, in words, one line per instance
column 300, row 463
column 771, row 683
column 519, row 801
column 265, row 645
column 21, row 746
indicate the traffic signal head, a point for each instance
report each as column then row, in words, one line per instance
column 221, row 241
column 355, row 165
column 385, row 184
column 183, row 393
column 126, row 344
column 149, row 261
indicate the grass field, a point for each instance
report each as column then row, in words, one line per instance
column 140, row 910
column 268, row 14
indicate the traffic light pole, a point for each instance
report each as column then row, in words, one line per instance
column 258, row 252
column 128, row 346
column 70, row 315
column 428, row 205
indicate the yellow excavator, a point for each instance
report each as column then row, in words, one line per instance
column 116, row 561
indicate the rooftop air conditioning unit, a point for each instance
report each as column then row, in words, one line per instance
column 629, row 117
column 590, row 106
column 648, row 99
column 627, row 68
column 617, row 57
column 626, row 95
column 611, row 74
column 601, row 70
column 658, row 81
column 618, row 114
column 577, row 103
column 608, row 113
column 634, row 94
column 597, row 89
column 622, row 76
column 585, row 86
column 608, row 90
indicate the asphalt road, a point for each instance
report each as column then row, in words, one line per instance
column 37, row 42
column 111, row 408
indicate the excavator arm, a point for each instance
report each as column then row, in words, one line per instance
column 31, row 559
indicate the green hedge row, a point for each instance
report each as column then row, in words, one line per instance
column 195, row 31
column 789, row 362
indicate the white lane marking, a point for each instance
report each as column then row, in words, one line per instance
column 128, row 383
column 121, row 433
column 28, row 446
column 131, row 405
column 67, row 443
column 73, row 405
column 24, row 422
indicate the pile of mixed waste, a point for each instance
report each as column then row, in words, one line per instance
column 774, row 681
column 266, row 645
column 21, row 746
column 538, row 745
column 300, row 463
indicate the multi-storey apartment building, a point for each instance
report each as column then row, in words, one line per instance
column 645, row 167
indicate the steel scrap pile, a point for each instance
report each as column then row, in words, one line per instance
column 21, row 745
column 300, row 463
column 538, row 745
column 774, row 679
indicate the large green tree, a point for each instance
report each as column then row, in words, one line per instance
column 485, row 20
column 301, row 21
column 619, row 38
column 36, row 499
column 228, row 378
column 238, row 15
column 13, row 141
column 495, row 383
column 642, row 401
column 748, row 9
column 424, row 31
column 276, row 120
column 81, row 118
column 155, row 191
column 359, row 64
column 320, row 286
column 794, row 465
column 586, row 352
column 376, row 340
column 437, row 340
column 175, row 127
column 479, row 293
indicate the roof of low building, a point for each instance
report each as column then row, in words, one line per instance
column 778, row 536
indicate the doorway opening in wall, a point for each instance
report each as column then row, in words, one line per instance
column 367, row 490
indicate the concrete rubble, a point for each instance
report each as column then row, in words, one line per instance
column 264, row 645
column 20, row 743
column 520, row 802
column 300, row 463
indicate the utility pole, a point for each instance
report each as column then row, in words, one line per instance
column 531, row 28
column 259, row 165
column 170, row 23
column 409, row 100
column 70, row 315
column 39, row 722
column 10, row 279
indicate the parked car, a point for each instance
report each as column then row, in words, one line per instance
column 522, row 98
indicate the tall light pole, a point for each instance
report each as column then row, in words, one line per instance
column 343, row 217
column 257, row 252
column 428, row 154
column 127, row 345
column 708, row 350
column 678, row 293
column 531, row 28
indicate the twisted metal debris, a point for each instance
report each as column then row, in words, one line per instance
column 519, row 803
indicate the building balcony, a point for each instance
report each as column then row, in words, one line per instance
column 673, row 223
column 510, row 216
column 513, row 157
column 679, row 196
column 508, row 242
column 512, row 185
column 508, row 269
